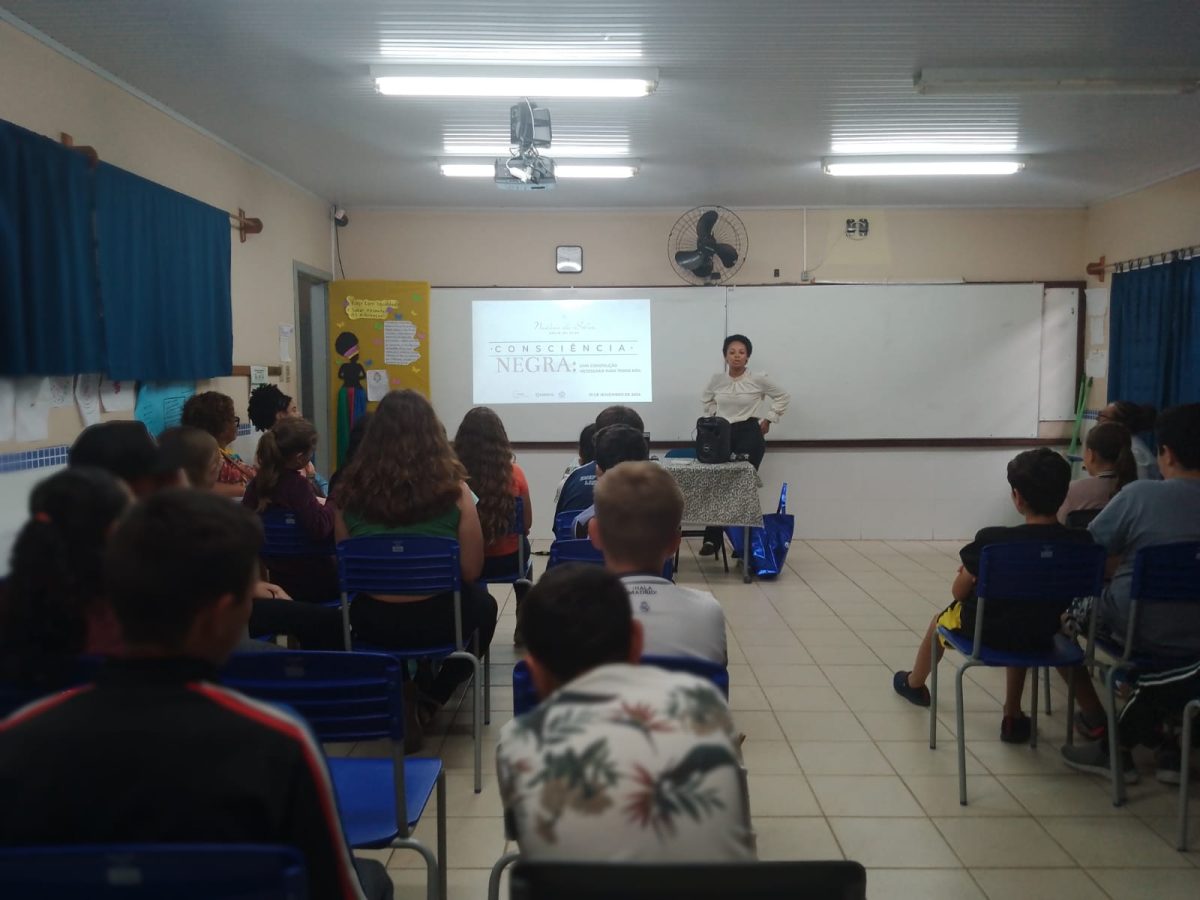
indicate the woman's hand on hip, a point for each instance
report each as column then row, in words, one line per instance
column 764, row 426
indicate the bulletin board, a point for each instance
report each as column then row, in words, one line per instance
column 378, row 342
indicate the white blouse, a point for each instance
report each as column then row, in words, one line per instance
column 739, row 399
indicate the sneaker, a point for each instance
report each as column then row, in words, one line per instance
column 1093, row 758
column 917, row 696
column 1169, row 761
column 1089, row 730
column 708, row 548
column 1016, row 729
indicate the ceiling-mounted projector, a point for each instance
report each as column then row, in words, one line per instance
column 527, row 172
column 529, row 126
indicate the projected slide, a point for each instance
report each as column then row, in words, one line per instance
column 561, row 351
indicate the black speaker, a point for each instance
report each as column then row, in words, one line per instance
column 712, row 439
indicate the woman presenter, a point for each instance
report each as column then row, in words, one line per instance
column 739, row 395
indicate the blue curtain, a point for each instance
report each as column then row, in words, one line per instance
column 1154, row 340
column 48, row 302
column 164, row 280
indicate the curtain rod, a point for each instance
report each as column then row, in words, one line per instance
column 240, row 221
column 1101, row 266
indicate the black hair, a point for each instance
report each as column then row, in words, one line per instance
column 56, row 573
column 1137, row 417
column 1042, row 478
column 739, row 339
column 267, row 401
column 176, row 553
column 577, row 617
column 587, row 443
column 618, row 444
column 1179, row 429
column 1113, row 444
column 123, row 448
column 619, row 415
column 345, row 341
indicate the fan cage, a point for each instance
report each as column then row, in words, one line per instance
column 729, row 230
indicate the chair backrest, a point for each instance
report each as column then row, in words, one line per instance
column 342, row 696
column 1040, row 571
column 145, row 871
column 1168, row 573
column 284, row 536
column 525, row 695
column 398, row 564
column 519, row 516
column 563, row 524
column 582, row 550
column 680, row 453
column 1081, row 518
column 833, row 880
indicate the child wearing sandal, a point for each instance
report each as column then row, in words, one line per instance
column 1039, row 480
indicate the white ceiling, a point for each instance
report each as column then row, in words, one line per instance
column 752, row 92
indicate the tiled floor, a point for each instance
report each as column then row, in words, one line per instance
column 841, row 767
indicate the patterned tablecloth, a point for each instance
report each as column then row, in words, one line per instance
column 717, row 494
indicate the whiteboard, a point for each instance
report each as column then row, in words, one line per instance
column 898, row 361
column 687, row 326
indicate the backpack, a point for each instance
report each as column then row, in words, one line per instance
column 712, row 439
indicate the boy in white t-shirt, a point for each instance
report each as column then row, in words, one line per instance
column 639, row 508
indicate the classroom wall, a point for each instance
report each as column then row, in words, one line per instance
column 46, row 92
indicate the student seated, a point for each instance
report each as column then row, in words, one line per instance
column 620, row 762
column 126, row 449
column 1108, row 460
column 269, row 405
column 213, row 412
column 587, row 453
column 638, row 512
column 481, row 445
column 52, row 605
column 1039, row 480
column 1138, row 419
column 576, row 492
column 614, row 444
column 1145, row 514
column 283, row 453
column 197, row 453
column 157, row 751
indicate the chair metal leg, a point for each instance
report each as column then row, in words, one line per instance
column 933, row 691
column 487, row 688
column 1189, row 712
column 1116, row 772
column 432, row 877
column 443, row 867
column 497, row 870
column 746, row 554
column 1071, row 705
column 1046, row 681
column 962, row 732
column 1033, row 710
column 477, row 729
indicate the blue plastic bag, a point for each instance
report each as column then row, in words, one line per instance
column 769, row 544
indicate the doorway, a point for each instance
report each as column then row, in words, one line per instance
column 312, row 343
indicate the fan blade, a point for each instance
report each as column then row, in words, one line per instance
column 704, row 269
column 705, row 224
column 727, row 254
column 690, row 259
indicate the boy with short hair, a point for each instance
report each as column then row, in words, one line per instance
column 1039, row 480
column 614, row 445
column 620, row 762
column 157, row 751
column 576, row 491
column 639, row 508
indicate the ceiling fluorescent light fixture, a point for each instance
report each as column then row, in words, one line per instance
column 558, row 149
column 1055, row 81
column 542, row 82
column 881, row 166
column 626, row 168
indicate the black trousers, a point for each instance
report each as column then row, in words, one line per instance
column 744, row 437
column 426, row 623
column 1158, row 698
column 315, row 627
column 503, row 566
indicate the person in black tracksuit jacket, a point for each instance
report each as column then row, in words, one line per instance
column 156, row 750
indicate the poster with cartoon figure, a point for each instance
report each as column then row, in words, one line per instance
column 379, row 342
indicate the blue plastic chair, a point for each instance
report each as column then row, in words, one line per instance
column 524, row 566
column 581, row 550
column 1169, row 573
column 400, row 564
column 1028, row 572
column 564, row 523
column 525, row 695
column 285, row 538
column 153, row 871
column 1189, row 712
column 356, row 697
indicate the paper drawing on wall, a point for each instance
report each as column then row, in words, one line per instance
column 352, row 397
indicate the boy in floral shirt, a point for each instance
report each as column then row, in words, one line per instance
column 620, row 762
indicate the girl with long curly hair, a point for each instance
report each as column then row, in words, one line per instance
column 481, row 444
column 405, row 479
